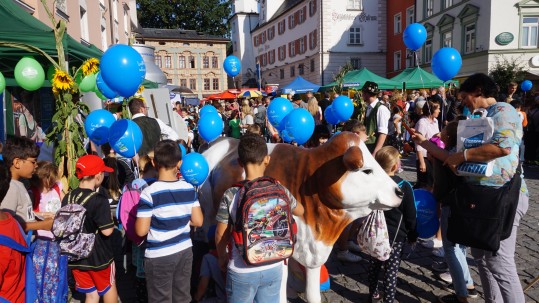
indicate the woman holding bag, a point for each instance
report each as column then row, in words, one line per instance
column 497, row 271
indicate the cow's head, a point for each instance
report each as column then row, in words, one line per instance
column 353, row 180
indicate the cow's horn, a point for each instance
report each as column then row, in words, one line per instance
column 353, row 158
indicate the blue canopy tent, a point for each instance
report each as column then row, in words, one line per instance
column 300, row 85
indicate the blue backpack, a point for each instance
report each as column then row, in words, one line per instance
column 31, row 284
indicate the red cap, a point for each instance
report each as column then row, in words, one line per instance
column 91, row 165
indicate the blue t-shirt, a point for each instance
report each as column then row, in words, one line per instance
column 169, row 206
column 507, row 135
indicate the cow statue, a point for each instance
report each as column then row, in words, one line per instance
column 336, row 183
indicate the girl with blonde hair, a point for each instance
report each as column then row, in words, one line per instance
column 315, row 110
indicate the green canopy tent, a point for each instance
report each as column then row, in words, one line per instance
column 356, row 79
column 416, row 78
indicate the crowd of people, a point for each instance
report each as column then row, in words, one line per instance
column 174, row 266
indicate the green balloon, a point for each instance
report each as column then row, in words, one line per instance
column 100, row 95
column 2, row 83
column 87, row 84
column 29, row 74
column 50, row 72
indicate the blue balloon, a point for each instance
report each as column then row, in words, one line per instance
column 330, row 116
column 182, row 148
column 97, row 125
column 210, row 126
column 426, row 213
column 526, row 85
column 300, row 125
column 207, row 109
column 123, row 69
column 277, row 110
column 125, row 137
column 446, row 63
column 343, row 108
column 194, row 169
column 232, row 66
column 285, row 136
column 104, row 88
column 414, row 36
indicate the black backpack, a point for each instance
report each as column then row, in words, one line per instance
column 260, row 117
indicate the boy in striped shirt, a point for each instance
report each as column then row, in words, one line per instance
column 165, row 212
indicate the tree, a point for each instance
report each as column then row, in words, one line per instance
column 208, row 16
column 507, row 70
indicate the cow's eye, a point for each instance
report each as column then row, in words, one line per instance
column 367, row 171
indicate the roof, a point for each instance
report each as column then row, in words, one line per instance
column 179, row 34
column 285, row 7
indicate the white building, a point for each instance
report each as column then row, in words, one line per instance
column 309, row 38
column 483, row 31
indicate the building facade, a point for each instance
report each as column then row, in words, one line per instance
column 98, row 22
column 483, row 31
column 189, row 58
column 315, row 38
column 400, row 14
column 243, row 20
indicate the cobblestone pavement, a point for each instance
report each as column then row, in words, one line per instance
column 416, row 280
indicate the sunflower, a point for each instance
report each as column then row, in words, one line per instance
column 140, row 90
column 61, row 81
column 90, row 66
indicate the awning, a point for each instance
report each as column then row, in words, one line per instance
column 355, row 79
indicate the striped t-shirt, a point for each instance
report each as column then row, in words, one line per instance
column 169, row 205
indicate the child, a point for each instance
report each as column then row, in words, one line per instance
column 245, row 283
column 12, row 262
column 165, row 211
column 94, row 275
column 20, row 155
column 357, row 128
column 211, row 286
column 401, row 225
column 49, row 266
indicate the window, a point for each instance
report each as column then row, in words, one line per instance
column 292, row 71
column 193, row 84
column 158, row 61
column 530, row 27
column 214, row 62
column 312, row 7
column 313, row 37
column 61, row 5
column 215, row 84
column 104, row 43
column 205, row 62
column 191, row 61
column 126, row 21
column 282, row 53
column 271, row 33
column 428, row 50
column 397, row 26
column 312, row 65
column 429, row 8
column 271, row 56
column 206, row 84
column 302, row 42
column 292, row 48
column 301, row 69
column 292, row 21
column 167, row 62
column 356, row 63
column 410, row 15
column 410, row 59
column 302, row 15
column 469, row 38
column 446, row 3
column 169, row 81
column 281, row 73
column 354, row 5
column 84, row 25
column 263, row 59
column 397, row 60
column 183, row 82
column 447, row 39
column 355, row 36
column 282, row 27
column 181, row 62
column 263, row 37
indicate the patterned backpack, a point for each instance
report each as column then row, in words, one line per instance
column 68, row 227
column 264, row 232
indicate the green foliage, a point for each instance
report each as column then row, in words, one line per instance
column 507, row 70
column 208, row 16
column 339, row 77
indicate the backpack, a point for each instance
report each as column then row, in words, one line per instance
column 30, row 282
column 127, row 209
column 264, row 231
column 260, row 117
column 68, row 227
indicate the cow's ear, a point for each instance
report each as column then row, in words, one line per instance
column 353, row 158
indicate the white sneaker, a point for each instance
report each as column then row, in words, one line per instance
column 353, row 246
column 446, row 276
column 347, row 256
column 439, row 252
